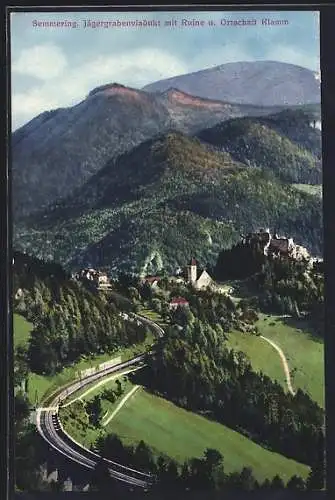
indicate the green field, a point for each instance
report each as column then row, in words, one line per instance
column 181, row 434
column 304, row 353
column 21, row 330
column 263, row 357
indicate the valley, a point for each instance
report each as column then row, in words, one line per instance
column 168, row 283
column 182, row 193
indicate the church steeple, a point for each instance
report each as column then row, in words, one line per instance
column 192, row 271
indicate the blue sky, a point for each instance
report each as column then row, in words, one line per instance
column 56, row 67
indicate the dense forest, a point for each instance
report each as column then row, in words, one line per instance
column 284, row 143
column 185, row 196
column 69, row 319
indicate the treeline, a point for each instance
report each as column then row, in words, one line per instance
column 206, row 473
column 195, row 370
column 69, row 320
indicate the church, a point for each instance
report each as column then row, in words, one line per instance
column 200, row 279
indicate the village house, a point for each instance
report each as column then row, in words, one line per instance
column 178, row 302
column 98, row 278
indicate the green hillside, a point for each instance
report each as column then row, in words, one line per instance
column 181, row 434
column 283, row 143
column 303, row 351
column 21, row 330
column 72, row 325
column 166, row 199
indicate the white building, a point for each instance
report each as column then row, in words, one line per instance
column 200, row 279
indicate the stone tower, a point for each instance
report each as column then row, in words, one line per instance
column 192, row 271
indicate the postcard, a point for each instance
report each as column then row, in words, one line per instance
column 168, row 285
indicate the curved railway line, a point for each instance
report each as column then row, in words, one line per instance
column 50, row 428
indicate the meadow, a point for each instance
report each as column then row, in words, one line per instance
column 21, row 330
column 303, row 350
column 181, row 434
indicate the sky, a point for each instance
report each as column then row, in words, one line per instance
column 54, row 67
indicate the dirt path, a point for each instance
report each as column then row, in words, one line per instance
column 284, row 362
column 119, row 406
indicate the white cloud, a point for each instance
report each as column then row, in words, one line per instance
column 217, row 55
column 41, row 61
column 28, row 104
column 134, row 69
column 293, row 56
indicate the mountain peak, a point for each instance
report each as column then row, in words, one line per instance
column 116, row 89
column 261, row 83
column 262, row 64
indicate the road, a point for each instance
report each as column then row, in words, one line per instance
column 284, row 363
column 51, row 429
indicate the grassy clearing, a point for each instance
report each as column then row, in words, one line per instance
column 21, row 330
column 304, row 353
column 303, row 350
column 181, row 434
column 315, row 189
column 263, row 357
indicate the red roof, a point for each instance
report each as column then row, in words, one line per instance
column 193, row 262
column 179, row 300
